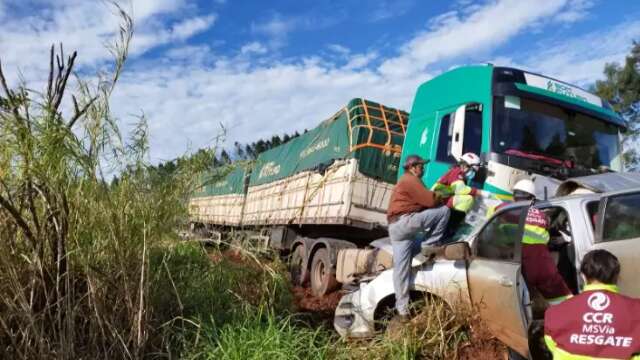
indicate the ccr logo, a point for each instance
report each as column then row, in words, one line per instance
column 598, row 301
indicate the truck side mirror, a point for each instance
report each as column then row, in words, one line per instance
column 457, row 251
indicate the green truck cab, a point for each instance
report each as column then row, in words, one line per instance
column 522, row 124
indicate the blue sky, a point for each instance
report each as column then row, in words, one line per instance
column 265, row 67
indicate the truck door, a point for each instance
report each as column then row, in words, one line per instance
column 618, row 231
column 496, row 285
column 459, row 132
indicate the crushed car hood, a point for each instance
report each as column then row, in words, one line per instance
column 600, row 183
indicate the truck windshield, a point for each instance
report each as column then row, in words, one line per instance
column 551, row 134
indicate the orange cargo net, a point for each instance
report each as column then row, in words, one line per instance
column 380, row 122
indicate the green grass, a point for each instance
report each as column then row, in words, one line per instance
column 244, row 310
column 261, row 334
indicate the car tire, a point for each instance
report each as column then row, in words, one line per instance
column 323, row 278
column 296, row 266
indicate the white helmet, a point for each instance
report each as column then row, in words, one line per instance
column 471, row 159
column 525, row 185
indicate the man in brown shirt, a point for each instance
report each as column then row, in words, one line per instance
column 413, row 209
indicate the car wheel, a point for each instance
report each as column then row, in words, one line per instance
column 296, row 266
column 323, row 278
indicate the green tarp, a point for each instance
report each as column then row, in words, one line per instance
column 330, row 141
column 218, row 184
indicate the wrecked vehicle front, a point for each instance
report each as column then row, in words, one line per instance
column 358, row 311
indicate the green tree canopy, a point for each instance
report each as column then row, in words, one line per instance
column 621, row 87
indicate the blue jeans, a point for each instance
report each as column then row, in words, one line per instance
column 407, row 238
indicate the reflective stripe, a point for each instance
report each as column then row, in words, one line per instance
column 606, row 287
column 535, row 235
column 559, row 299
column 560, row 354
column 460, row 188
column 443, row 190
column 462, row 203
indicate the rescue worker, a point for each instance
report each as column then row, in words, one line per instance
column 459, row 196
column 539, row 269
column 412, row 209
column 453, row 185
column 599, row 323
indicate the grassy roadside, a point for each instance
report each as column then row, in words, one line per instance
column 242, row 308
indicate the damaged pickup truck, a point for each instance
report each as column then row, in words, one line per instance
column 484, row 269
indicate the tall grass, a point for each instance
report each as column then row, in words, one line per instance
column 74, row 270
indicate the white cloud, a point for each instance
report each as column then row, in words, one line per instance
column 190, row 27
column 454, row 34
column 360, row 60
column 277, row 29
column 337, row 48
column 581, row 60
column 194, row 54
column 86, row 26
column 254, row 47
column 187, row 104
column 574, row 11
column 385, row 9
column 143, row 9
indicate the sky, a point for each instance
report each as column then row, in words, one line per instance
column 259, row 68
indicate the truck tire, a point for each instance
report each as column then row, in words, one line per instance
column 296, row 266
column 323, row 278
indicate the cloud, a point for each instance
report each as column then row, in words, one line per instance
column 574, row 11
column 385, row 9
column 254, row 47
column 456, row 33
column 581, row 60
column 276, row 28
column 144, row 9
column 190, row 27
column 360, row 60
column 86, row 26
column 339, row 49
column 190, row 54
column 186, row 104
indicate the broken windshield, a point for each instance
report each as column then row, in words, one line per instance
column 533, row 129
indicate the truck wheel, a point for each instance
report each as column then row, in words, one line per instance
column 296, row 263
column 323, row 279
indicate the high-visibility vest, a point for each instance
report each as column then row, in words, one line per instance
column 453, row 186
column 538, row 268
column 599, row 323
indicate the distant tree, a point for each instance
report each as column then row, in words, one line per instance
column 621, row 87
column 249, row 152
column 260, row 147
column 224, row 157
column 275, row 141
column 239, row 151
